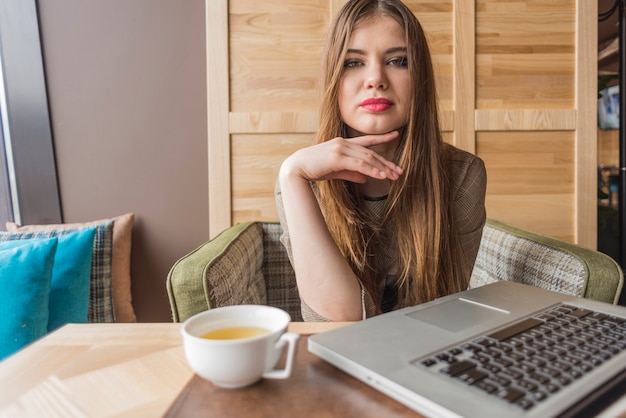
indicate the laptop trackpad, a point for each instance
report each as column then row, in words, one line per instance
column 457, row 314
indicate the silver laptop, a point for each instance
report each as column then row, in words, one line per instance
column 501, row 350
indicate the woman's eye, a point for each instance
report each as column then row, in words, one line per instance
column 399, row 62
column 351, row 63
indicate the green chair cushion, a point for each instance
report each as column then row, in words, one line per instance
column 227, row 269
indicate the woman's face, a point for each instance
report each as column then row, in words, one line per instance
column 374, row 88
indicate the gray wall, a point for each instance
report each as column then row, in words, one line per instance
column 127, row 93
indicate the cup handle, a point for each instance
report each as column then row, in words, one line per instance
column 290, row 338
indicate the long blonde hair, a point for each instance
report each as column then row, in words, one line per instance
column 419, row 203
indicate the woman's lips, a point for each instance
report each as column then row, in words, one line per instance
column 376, row 104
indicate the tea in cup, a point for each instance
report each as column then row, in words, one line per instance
column 235, row 346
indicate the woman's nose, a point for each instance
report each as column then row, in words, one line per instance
column 376, row 77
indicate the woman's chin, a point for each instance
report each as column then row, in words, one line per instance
column 363, row 132
column 380, row 129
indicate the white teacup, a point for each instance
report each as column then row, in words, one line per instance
column 233, row 355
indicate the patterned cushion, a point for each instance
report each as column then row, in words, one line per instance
column 245, row 264
column 223, row 271
column 280, row 279
column 503, row 256
column 235, row 276
column 100, row 296
column 509, row 253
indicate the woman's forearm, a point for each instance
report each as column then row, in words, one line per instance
column 325, row 280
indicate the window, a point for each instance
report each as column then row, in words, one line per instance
column 6, row 207
column 28, row 182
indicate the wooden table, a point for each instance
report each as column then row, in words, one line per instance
column 140, row 370
column 103, row 370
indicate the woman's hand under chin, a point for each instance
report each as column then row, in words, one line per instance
column 352, row 159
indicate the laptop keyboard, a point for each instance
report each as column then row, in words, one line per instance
column 527, row 362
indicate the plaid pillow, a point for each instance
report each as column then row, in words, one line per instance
column 505, row 256
column 235, row 277
column 280, row 279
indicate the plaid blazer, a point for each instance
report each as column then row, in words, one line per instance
column 469, row 183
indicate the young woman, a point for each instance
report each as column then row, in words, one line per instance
column 381, row 213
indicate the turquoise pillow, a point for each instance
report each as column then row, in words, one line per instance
column 100, row 291
column 25, row 275
column 69, row 286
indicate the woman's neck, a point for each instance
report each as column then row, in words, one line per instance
column 386, row 150
column 374, row 188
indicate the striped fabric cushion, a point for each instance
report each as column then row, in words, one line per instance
column 504, row 256
column 280, row 278
column 235, row 276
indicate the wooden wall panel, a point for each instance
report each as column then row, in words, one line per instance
column 526, row 54
column 535, row 64
column 513, row 76
column 586, row 178
column 218, row 106
column 531, row 179
column 275, row 53
column 255, row 164
column 539, row 212
column 275, row 49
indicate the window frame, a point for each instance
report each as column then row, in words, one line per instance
column 28, row 167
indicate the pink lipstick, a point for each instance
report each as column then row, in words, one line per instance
column 376, row 104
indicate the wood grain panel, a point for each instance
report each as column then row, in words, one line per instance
column 447, row 120
column 586, row 206
column 272, row 122
column 525, row 119
column 528, row 162
column 464, row 73
column 335, row 6
column 275, row 49
column 525, row 54
column 546, row 214
column 255, row 164
column 217, row 116
column 531, row 179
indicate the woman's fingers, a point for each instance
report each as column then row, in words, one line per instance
column 368, row 161
column 371, row 164
column 346, row 158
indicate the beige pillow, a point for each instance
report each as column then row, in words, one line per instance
column 120, row 265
